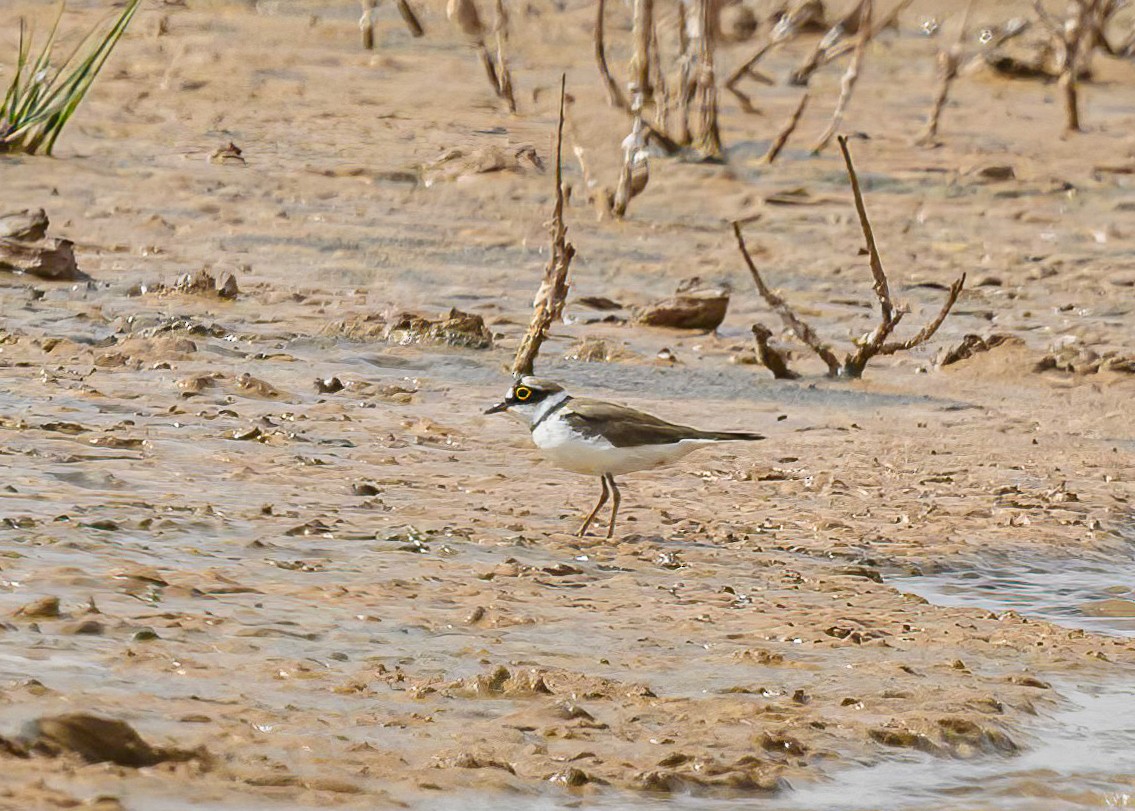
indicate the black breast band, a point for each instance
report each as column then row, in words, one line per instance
column 550, row 412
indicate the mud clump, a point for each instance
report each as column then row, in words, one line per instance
column 905, row 739
column 96, row 740
column 469, row 760
column 197, row 384
column 502, row 682
column 456, row 328
column 572, row 778
column 700, row 310
column 782, row 745
column 966, row 738
column 973, row 344
column 455, row 164
column 708, row 778
column 43, row 608
column 200, row 283
column 25, row 248
column 1085, row 361
column 597, row 350
column 947, row 737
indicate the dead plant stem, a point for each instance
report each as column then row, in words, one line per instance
column 549, row 302
column 850, row 77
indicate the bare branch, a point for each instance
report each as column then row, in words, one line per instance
column 948, row 61
column 804, row 332
column 410, row 18
column 615, row 96
column 636, row 168
column 872, row 344
column 634, row 156
column 1075, row 47
column 707, row 138
column 803, row 74
column 640, row 61
column 549, row 302
column 882, row 288
column 600, row 196
column 847, row 84
column 783, row 32
column 662, row 140
column 659, row 76
column 748, row 68
column 785, row 131
column 489, row 66
column 366, row 23
column 504, row 77
column 835, row 35
column 927, row 332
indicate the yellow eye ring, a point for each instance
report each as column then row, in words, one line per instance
column 522, row 393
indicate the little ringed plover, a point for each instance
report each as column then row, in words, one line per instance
column 601, row 439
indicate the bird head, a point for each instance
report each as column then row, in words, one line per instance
column 526, row 399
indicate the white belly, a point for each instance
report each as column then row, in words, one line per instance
column 596, row 456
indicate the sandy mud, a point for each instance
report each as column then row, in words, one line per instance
column 272, row 531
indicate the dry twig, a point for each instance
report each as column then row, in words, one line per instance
column 748, row 68
column 706, row 137
column 642, row 65
column 850, row 77
column 1075, row 39
column 635, row 171
column 366, row 23
column 834, row 45
column 874, row 343
column 800, row 327
column 661, row 91
column 785, row 131
column 848, row 24
column 636, row 167
column 370, row 9
column 948, row 61
column 549, row 302
column 785, row 30
column 600, row 196
column 410, row 18
column 615, row 96
column 465, row 15
column 504, row 76
column 640, row 62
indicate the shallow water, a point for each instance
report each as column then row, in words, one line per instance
column 1081, row 756
column 1091, row 594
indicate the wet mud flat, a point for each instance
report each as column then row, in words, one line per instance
column 272, row 531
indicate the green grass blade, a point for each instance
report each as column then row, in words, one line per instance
column 41, row 98
column 21, row 60
column 89, row 70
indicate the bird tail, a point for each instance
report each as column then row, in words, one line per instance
column 727, row 436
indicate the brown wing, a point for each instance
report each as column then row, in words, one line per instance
column 626, row 427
